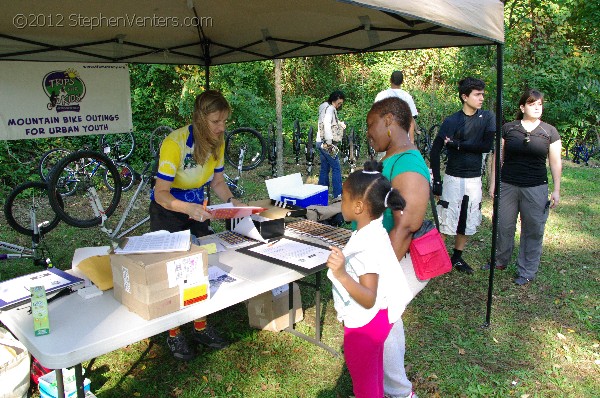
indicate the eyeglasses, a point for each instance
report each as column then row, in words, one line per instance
column 527, row 139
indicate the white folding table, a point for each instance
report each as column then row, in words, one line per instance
column 82, row 329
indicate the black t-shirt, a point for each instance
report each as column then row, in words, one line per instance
column 471, row 137
column 525, row 160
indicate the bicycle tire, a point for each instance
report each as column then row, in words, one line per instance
column 18, row 204
column 310, row 152
column 253, row 143
column 49, row 159
column 157, row 137
column 80, row 171
column 126, row 173
column 296, row 139
column 118, row 147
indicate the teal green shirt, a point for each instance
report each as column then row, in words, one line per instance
column 408, row 161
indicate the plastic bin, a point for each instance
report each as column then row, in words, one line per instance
column 48, row 389
column 306, row 195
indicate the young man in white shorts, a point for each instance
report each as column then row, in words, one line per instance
column 467, row 135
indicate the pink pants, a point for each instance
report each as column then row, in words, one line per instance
column 363, row 351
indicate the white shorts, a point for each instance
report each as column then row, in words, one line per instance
column 458, row 193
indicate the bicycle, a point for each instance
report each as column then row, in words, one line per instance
column 119, row 147
column 98, row 201
column 75, row 179
column 309, row 150
column 27, row 211
column 243, row 144
column 272, row 154
column 582, row 151
column 50, row 158
column 296, row 141
column 251, row 141
column 157, row 136
column 349, row 149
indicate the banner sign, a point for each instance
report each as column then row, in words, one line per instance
column 58, row 99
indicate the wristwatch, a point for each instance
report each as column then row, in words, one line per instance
column 230, row 199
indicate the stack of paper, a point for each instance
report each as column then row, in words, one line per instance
column 156, row 242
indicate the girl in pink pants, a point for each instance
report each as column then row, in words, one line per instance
column 370, row 291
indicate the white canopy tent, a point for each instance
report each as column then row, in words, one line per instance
column 228, row 31
column 212, row 33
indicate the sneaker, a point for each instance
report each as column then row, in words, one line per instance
column 209, row 338
column 486, row 267
column 462, row 266
column 179, row 348
column 519, row 280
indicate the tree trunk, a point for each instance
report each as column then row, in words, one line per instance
column 279, row 113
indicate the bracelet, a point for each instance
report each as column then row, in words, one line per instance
column 230, row 199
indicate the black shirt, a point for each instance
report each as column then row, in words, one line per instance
column 525, row 154
column 471, row 137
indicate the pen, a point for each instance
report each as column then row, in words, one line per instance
column 271, row 243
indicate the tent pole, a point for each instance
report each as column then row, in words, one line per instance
column 206, row 77
column 499, row 85
column 207, row 62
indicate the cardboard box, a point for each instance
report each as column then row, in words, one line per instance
column 270, row 310
column 153, row 285
column 290, row 189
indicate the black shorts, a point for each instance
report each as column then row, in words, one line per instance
column 172, row 221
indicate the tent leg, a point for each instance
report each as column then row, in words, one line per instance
column 499, row 84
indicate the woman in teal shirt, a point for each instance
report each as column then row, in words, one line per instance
column 388, row 123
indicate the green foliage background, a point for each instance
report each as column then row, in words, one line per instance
column 551, row 45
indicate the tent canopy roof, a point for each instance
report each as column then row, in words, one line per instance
column 209, row 32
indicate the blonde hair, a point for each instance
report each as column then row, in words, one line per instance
column 205, row 143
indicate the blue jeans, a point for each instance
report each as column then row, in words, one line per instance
column 330, row 163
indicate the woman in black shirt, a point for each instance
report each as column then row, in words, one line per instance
column 526, row 144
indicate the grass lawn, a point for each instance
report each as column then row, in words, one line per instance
column 543, row 340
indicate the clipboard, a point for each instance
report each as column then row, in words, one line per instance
column 248, row 250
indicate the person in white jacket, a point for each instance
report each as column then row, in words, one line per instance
column 330, row 132
column 370, row 290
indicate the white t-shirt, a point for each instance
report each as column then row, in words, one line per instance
column 369, row 250
column 403, row 95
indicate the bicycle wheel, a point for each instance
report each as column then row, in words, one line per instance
column 156, row 138
column 251, row 142
column 310, row 151
column 118, row 147
column 49, row 159
column 126, row 173
column 22, row 200
column 296, row 140
column 82, row 173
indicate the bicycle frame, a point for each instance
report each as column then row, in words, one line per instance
column 233, row 183
column 145, row 179
column 115, row 234
column 74, row 175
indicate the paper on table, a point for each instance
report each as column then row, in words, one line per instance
column 219, row 278
column 293, row 252
column 247, row 228
column 157, row 242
